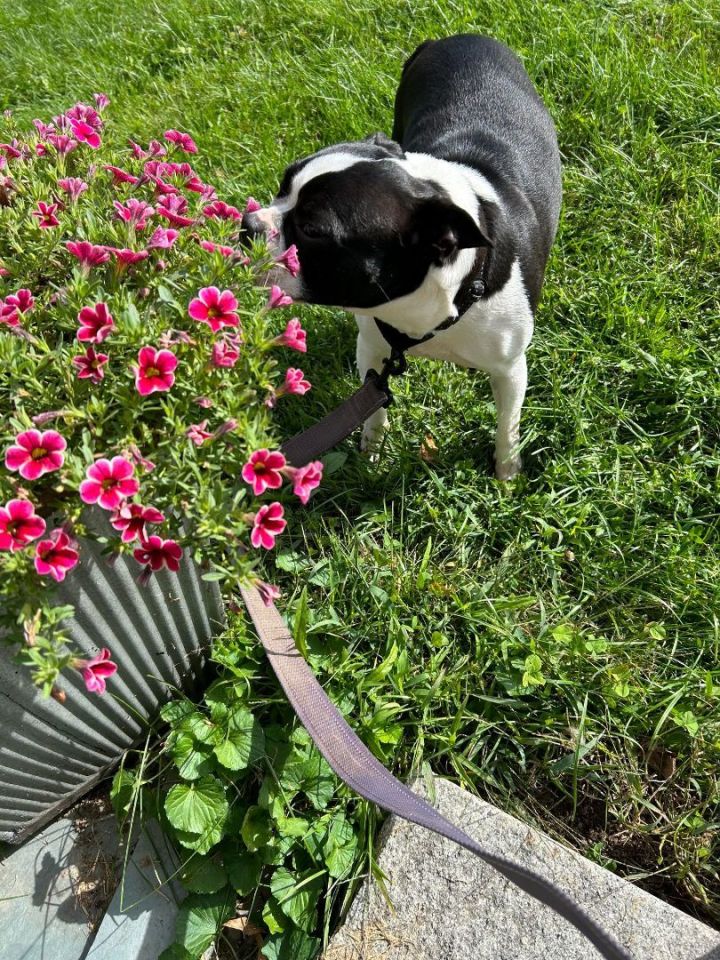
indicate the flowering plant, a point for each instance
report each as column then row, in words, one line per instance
column 140, row 363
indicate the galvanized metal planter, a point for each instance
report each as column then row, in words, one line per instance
column 51, row 754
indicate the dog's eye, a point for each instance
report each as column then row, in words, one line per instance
column 312, row 231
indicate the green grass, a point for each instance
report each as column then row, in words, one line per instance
column 553, row 643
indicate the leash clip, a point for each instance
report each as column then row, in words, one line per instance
column 393, row 366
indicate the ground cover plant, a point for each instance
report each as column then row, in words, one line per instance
column 553, row 643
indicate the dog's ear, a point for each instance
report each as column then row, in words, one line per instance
column 445, row 228
column 392, row 148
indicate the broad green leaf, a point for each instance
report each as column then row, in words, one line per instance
column 201, row 842
column 318, row 780
column 274, row 918
column 292, row 826
column 196, row 807
column 292, row 945
column 175, row 710
column 200, row 919
column 193, row 760
column 203, row 875
column 244, row 871
column 244, row 741
column 257, row 828
column 298, row 894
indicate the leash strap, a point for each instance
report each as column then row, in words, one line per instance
column 362, row 772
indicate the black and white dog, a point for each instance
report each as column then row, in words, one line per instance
column 449, row 223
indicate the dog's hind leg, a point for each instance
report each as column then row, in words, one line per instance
column 508, row 387
column 372, row 350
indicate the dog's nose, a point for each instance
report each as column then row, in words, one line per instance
column 251, row 228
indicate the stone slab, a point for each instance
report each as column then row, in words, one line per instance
column 54, row 889
column 449, row 905
column 140, row 921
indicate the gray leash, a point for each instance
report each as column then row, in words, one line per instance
column 337, row 742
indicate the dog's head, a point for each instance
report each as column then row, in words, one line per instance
column 367, row 227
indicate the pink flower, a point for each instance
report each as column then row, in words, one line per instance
column 159, row 553
column 155, row 370
column 11, row 150
column 9, row 315
column 131, row 518
column 217, row 248
column 137, row 150
column 295, row 382
column 278, row 298
column 35, row 453
column 85, row 133
column 214, row 308
column 135, row 212
column 163, row 238
column 252, row 205
column 173, row 208
column 293, row 337
column 19, row 524
column 197, row 433
column 55, row 556
column 96, row 671
column 183, row 140
column 82, row 113
column 87, row 253
column 109, row 482
column 290, row 260
column 101, row 100
column 306, row 479
column 268, row 592
column 268, row 523
column 45, row 214
column 22, row 300
column 90, row 365
column 225, row 353
column 73, row 186
column 147, row 465
column 62, row 143
column 263, row 471
column 222, row 211
column 128, row 257
column 95, row 323
column 120, row 176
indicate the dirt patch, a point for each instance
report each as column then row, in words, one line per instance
column 94, row 863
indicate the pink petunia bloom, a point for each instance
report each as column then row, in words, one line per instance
column 87, row 253
column 73, row 186
column 269, row 593
column 19, row 524
column 101, row 100
column 217, row 248
column 21, row 301
column 43, row 129
column 295, row 382
column 35, row 453
column 268, row 523
column 289, row 259
column 158, row 553
column 278, row 298
column 130, row 518
column 137, row 150
column 293, row 337
column 120, row 176
column 128, row 257
column 96, row 671
column 62, row 143
column 45, row 214
column 183, row 140
column 163, row 238
column 82, row 113
column 173, row 208
column 306, row 479
column 84, row 133
column 220, row 210
column 95, row 323
column 252, row 205
column 9, row 315
column 225, row 352
column 11, row 150
column 147, row 465
column 109, row 482
column 135, row 212
column 214, row 308
column 197, row 433
column 56, row 556
column 90, row 365
column 156, row 149
column 155, row 371
column 263, row 471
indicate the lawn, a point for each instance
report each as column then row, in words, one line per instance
column 551, row 643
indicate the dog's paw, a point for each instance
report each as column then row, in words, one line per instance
column 508, row 469
column 371, row 441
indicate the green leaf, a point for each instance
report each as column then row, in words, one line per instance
column 200, row 726
column 192, row 760
column 196, row 807
column 203, row 875
column 122, row 793
column 291, row 945
column 244, row 871
column 292, row 826
column 176, row 952
column 257, row 828
column 174, row 711
column 200, row 919
column 201, row 842
column 275, row 919
column 298, row 894
column 318, row 780
column 245, row 741
column 300, row 624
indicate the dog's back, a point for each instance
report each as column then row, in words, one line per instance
column 468, row 99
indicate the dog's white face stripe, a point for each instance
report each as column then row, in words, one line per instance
column 327, row 163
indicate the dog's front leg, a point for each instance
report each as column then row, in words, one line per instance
column 508, row 387
column 371, row 351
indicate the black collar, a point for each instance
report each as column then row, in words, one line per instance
column 472, row 290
